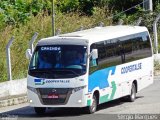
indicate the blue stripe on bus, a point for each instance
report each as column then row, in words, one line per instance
column 100, row 78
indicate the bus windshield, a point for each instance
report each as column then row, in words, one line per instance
column 58, row 61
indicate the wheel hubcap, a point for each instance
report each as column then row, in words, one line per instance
column 133, row 93
column 93, row 107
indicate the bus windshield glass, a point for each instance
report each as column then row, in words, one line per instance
column 58, row 61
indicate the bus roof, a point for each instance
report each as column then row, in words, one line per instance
column 94, row 35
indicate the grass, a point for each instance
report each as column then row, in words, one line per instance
column 41, row 24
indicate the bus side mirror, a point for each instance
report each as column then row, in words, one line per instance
column 28, row 54
column 94, row 54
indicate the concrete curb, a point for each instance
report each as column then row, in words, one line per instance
column 13, row 88
column 13, row 101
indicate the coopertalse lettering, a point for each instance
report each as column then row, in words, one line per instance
column 57, row 81
column 131, row 68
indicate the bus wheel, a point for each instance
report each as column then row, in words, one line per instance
column 132, row 96
column 93, row 107
column 40, row 110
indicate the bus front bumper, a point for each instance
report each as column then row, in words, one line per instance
column 64, row 98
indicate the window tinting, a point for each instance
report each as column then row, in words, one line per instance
column 122, row 50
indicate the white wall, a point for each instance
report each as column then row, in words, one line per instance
column 14, row 87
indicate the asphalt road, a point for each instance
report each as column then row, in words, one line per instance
column 146, row 107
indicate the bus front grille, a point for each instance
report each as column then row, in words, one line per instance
column 54, row 96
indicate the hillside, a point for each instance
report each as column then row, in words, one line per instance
column 41, row 24
column 23, row 19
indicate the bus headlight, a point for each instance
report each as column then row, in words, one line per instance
column 78, row 88
column 30, row 101
column 32, row 89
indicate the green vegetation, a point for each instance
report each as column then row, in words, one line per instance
column 42, row 25
column 21, row 18
column 156, row 65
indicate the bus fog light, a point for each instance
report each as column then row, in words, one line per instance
column 30, row 101
column 79, row 101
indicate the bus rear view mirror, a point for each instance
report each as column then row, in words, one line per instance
column 94, row 54
column 28, row 54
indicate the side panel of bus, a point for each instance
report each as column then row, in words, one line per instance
column 120, row 62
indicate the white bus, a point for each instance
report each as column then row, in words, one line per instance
column 90, row 67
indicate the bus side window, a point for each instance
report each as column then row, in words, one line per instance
column 93, row 64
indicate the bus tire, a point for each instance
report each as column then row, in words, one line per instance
column 40, row 110
column 93, row 107
column 132, row 96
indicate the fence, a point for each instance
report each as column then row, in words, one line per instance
column 34, row 37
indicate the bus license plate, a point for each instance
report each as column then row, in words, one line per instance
column 53, row 96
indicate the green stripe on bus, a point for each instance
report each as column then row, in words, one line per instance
column 113, row 90
column 88, row 102
column 106, row 98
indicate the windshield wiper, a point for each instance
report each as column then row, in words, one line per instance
column 65, row 70
column 53, row 70
column 39, row 70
